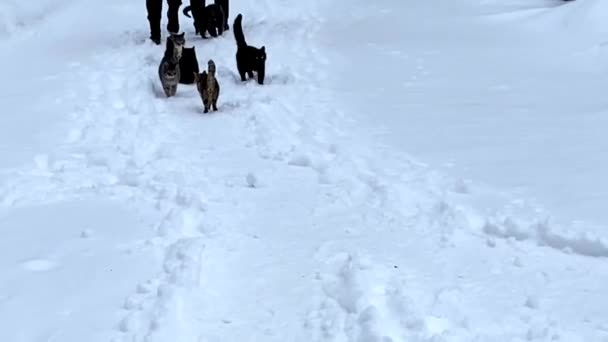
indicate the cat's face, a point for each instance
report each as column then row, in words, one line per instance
column 260, row 56
column 178, row 39
column 213, row 20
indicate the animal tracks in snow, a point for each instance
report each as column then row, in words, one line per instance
column 364, row 303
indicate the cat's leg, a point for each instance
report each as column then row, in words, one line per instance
column 155, row 10
column 213, row 31
column 241, row 71
column 173, row 89
column 261, row 75
column 203, row 21
column 217, row 95
column 206, row 103
column 221, row 27
column 173, row 15
column 250, row 74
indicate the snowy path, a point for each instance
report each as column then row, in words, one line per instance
column 275, row 219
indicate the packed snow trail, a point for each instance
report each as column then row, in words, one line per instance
column 274, row 219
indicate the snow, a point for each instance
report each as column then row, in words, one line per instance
column 438, row 177
column 530, row 121
column 48, row 269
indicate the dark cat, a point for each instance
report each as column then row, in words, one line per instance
column 248, row 58
column 188, row 65
column 168, row 70
column 208, row 87
column 212, row 18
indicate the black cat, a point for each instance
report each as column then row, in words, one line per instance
column 188, row 65
column 248, row 58
column 212, row 18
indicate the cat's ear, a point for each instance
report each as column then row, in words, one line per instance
column 263, row 48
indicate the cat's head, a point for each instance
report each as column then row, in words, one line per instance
column 260, row 56
column 179, row 39
column 191, row 51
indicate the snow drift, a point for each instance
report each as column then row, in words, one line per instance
column 16, row 15
column 586, row 14
column 581, row 17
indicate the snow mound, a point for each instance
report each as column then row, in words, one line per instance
column 575, row 17
column 16, row 15
column 585, row 15
column 591, row 13
column 577, row 241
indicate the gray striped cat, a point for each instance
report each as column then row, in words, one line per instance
column 168, row 70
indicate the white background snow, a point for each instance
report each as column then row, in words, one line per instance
column 411, row 171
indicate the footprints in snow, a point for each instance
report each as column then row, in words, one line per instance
column 364, row 303
column 153, row 302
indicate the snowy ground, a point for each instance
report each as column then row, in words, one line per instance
column 512, row 99
column 299, row 211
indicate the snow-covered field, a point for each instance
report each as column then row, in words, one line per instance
column 410, row 171
column 512, row 100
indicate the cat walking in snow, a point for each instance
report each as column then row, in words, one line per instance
column 249, row 59
column 168, row 70
column 208, row 87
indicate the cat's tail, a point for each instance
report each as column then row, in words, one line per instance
column 186, row 10
column 211, row 67
column 238, row 31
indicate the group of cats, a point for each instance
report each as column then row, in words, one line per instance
column 179, row 64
